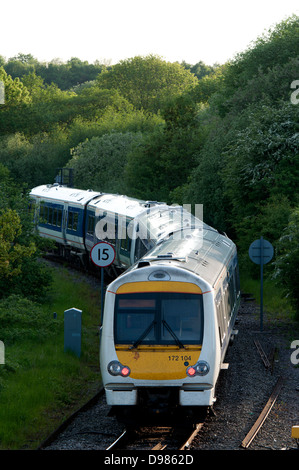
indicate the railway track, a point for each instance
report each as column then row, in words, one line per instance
column 93, row 427
column 157, row 438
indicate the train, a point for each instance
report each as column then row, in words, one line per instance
column 171, row 308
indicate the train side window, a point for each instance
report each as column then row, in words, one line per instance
column 220, row 316
column 140, row 249
column 90, row 224
column 70, row 221
column 54, row 222
column 59, row 217
column 126, row 240
column 73, row 218
column 75, row 221
column 226, row 298
column 231, row 293
column 50, row 216
column 43, row 213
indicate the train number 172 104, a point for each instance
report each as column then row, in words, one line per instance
column 179, row 358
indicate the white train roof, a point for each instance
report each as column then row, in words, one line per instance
column 204, row 252
column 115, row 203
column 62, row 193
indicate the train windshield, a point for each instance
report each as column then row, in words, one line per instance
column 158, row 318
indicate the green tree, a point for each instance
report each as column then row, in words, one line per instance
column 12, row 253
column 20, row 271
column 15, row 92
column 262, row 159
column 147, row 81
column 287, row 260
column 270, row 52
column 166, row 157
column 99, row 163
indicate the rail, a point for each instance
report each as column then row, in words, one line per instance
column 172, row 437
column 262, row 417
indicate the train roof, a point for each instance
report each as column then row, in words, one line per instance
column 63, row 193
column 122, row 205
column 205, row 252
column 98, row 201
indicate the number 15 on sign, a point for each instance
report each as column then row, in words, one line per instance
column 102, row 254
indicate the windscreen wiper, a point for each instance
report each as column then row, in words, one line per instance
column 143, row 335
column 178, row 342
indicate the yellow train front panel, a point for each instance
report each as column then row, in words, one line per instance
column 157, row 362
column 160, row 361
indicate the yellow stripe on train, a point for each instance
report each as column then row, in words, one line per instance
column 156, row 286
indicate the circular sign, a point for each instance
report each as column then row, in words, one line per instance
column 102, row 254
column 261, row 251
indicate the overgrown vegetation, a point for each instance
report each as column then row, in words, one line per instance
column 40, row 384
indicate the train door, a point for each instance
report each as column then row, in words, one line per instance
column 221, row 316
column 125, row 241
column 64, row 223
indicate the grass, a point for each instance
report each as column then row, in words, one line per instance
column 40, row 384
column 275, row 305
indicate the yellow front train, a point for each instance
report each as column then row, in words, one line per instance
column 160, row 342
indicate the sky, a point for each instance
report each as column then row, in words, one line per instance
column 114, row 30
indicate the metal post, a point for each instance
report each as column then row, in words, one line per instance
column 102, row 296
column 262, row 275
column 72, row 330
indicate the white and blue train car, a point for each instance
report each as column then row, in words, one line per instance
column 77, row 219
column 60, row 214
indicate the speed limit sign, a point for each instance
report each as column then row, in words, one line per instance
column 102, row 254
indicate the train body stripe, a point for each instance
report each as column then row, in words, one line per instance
column 159, row 286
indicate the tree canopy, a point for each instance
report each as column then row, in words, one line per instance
column 225, row 136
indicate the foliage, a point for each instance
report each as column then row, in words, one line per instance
column 64, row 75
column 39, row 383
column 20, row 272
column 22, row 320
column 287, row 262
column 111, row 121
column 200, row 69
column 51, row 107
column 273, row 49
column 34, row 160
column 262, row 159
column 147, row 82
column 15, row 92
column 166, row 157
column 99, row 162
column 11, row 253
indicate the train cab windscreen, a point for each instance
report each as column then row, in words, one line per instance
column 158, row 318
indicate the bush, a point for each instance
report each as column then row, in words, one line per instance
column 21, row 320
column 99, row 162
column 287, row 263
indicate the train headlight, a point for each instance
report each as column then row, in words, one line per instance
column 200, row 368
column 116, row 368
